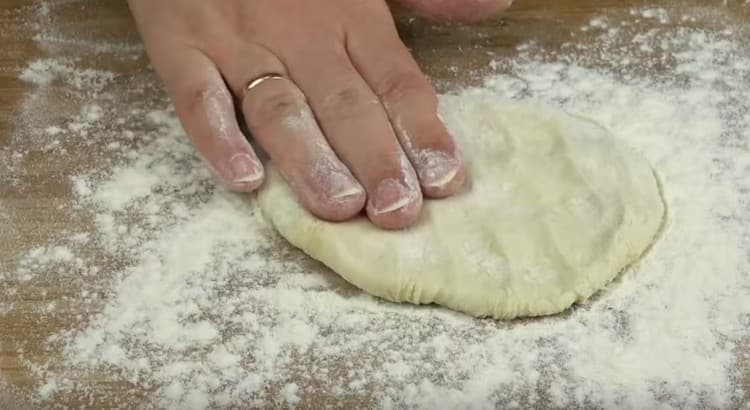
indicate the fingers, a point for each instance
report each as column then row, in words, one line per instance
column 346, row 128
column 411, row 104
column 279, row 118
column 358, row 129
column 206, row 110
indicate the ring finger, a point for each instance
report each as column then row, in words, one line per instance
column 279, row 118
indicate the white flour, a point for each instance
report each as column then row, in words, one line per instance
column 208, row 307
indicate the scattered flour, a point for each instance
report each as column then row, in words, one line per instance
column 44, row 71
column 212, row 309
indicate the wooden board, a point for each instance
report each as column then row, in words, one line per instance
column 39, row 207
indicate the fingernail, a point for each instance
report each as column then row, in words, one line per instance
column 391, row 195
column 341, row 186
column 437, row 168
column 245, row 168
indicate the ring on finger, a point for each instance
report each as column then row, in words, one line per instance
column 261, row 79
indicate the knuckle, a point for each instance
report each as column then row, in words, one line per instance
column 273, row 108
column 347, row 101
column 405, row 85
column 199, row 95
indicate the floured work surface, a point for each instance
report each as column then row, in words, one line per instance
column 130, row 278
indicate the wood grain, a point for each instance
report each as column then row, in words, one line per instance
column 39, row 206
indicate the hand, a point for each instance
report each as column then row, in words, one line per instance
column 353, row 122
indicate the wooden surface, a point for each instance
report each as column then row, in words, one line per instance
column 38, row 205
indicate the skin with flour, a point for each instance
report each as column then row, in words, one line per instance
column 352, row 124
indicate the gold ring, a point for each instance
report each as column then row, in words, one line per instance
column 258, row 81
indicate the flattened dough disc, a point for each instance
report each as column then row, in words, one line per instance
column 554, row 209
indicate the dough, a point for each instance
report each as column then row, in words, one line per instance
column 555, row 207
